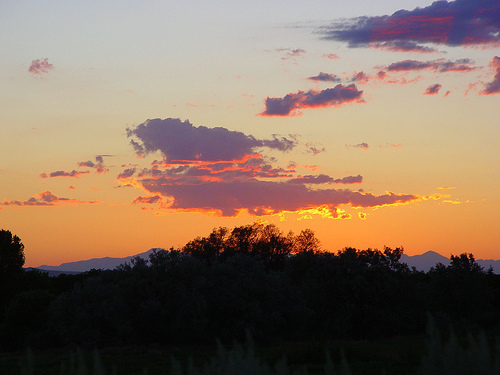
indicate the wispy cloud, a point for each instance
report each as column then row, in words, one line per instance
column 332, row 97
column 455, row 23
column 40, row 66
column 363, row 146
column 73, row 173
column 325, row 77
column 46, row 198
column 331, row 56
column 440, row 65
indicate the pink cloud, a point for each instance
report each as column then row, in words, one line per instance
column 433, row 89
column 331, row 56
column 40, row 66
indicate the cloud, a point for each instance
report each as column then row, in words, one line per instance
column 197, row 178
column 325, row 179
column 46, row 198
column 403, row 46
column 363, row 146
column 181, row 141
column 493, row 87
column 291, row 54
column 40, row 66
column 331, row 56
column 262, row 197
column 433, row 89
column 440, row 65
column 325, row 77
column 147, row 200
column 455, row 23
column 332, row 97
column 98, row 165
column 314, row 149
column 73, row 173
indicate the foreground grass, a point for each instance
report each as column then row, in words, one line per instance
column 401, row 355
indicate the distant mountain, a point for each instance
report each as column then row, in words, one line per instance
column 425, row 261
column 422, row 262
column 106, row 263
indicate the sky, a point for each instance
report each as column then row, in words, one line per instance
column 129, row 125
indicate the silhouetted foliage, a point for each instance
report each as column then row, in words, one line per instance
column 11, row 252
column 254, row 279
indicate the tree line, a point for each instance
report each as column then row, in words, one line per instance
column 251, row 279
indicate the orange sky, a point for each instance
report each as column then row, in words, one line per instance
column 145, row 126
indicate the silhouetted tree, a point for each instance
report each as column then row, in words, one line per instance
column 11, row 252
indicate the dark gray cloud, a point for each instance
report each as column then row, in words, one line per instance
column 181, row 141
column 455, row 23
column 332, row 97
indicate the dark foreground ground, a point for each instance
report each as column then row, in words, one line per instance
column 402, row 355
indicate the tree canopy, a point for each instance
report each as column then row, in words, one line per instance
column 11, row 252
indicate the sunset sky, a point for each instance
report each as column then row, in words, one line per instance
column 128, row 125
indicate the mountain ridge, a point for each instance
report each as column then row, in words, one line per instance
column 421, row 262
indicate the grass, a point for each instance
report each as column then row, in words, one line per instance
column 392, row 356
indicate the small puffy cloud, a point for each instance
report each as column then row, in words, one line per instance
column 45, row 198
column 493, row 87
column 446, row 188
column 73, row 173
column 325, row 77
column 454, row 23
column 40, row 66
column 179, row 140
column 360, row 77
column 127, row 173
column 433, row 89
column 98, row 165
column 332, row 97
column 362, row 215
